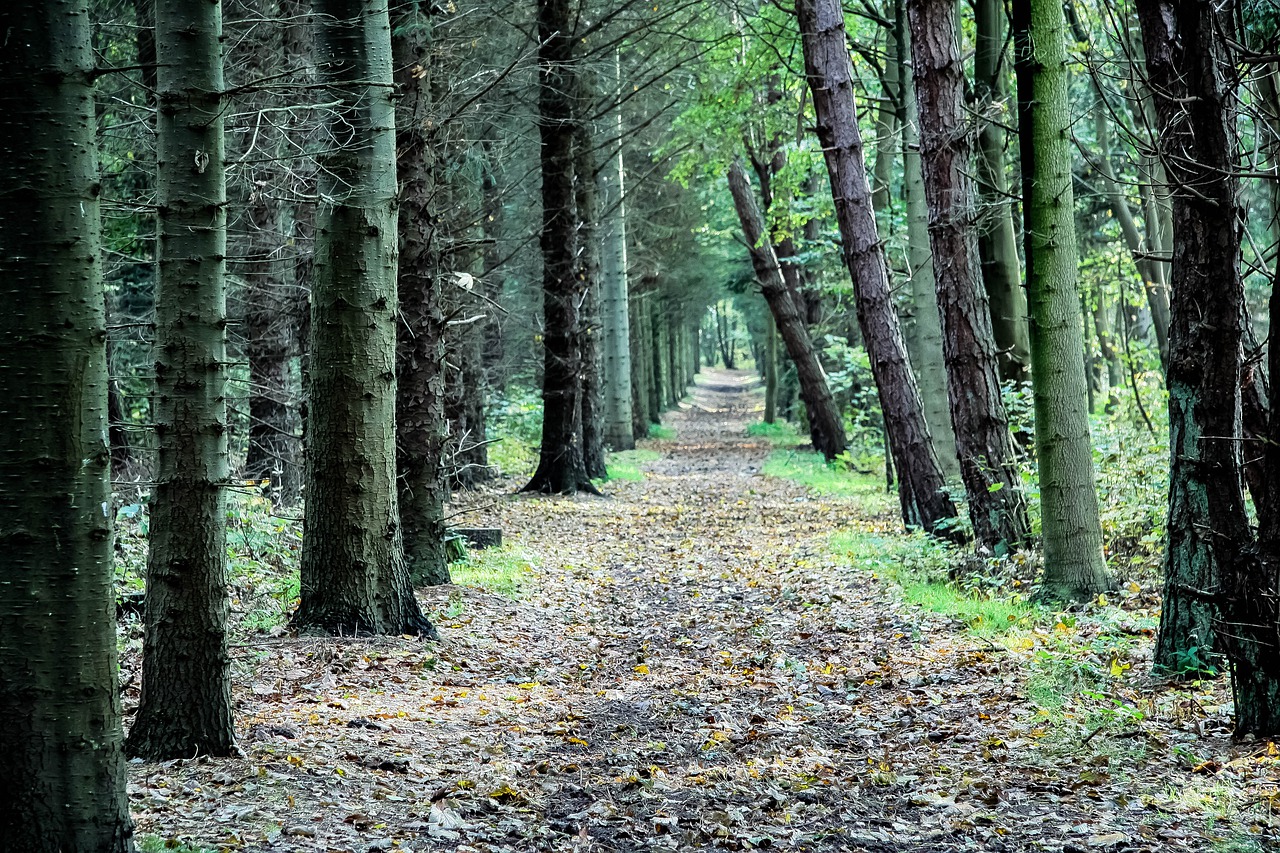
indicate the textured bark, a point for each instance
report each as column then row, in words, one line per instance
column 1208, row 561
column 826, row 426
column 560, row 464
column 770, row 370
column 922, row 327
column 354, row 576
column 1074, row 563
column 639, row 371
column 997, row 241
column 466, row 389
column 997, row 507
column 185, row 707
column 921, row 486
column 586, row 203
column 615, row 321
column 491, row 273
column 421, row 429
column 61, row 756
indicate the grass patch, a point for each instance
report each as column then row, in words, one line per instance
column 662, row 432
column 498, row 570
column 810, row 470
column 625, row 464
column 778, row 432
column 156, row 844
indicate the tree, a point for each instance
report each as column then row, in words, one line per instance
column 826, row 426
column 1072, row 533
column 921, row 487
column 61, row 750
column 981, row 425
column 185, row 707
column 421, row 429
column 354, row 576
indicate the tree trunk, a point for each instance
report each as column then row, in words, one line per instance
column 639, row 370
column 587, row 205
column 185, row 707
column 997, row 242
column 997, row 507
column 465, row 388
column 560, row 464
column 354, row 576
column 922, row 327
column 615, row 320
column 888, row 117
column 770, row 370
column 491, row 273
column 61, row 755
column 421, row 430
column 826, row 426
column 1074, row 563
column 921, row 486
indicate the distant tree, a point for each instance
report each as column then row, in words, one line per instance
column 615, row 320
column 185, row 707
column 354, row 575
column 61, row 755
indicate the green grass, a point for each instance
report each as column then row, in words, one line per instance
column 834, row 479
column 662, row 432
column 156, row 844
column 625, row 464
column 778, row 432
column 498, row 570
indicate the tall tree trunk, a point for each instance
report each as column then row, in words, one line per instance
column 889, row 116
column 997, row 241
column 826, row 425
column 587, row 205
column 491, row 273
column 465, row 388
column 421, row 429
column 1074, row 563
column 560, row 464
column 354, row 575
column 921, row 486
column 639, row 370
column 922, row 326
column 770, row 370
column 615, row 321
column 185, row 707
column 987, row 465
column 61, row 755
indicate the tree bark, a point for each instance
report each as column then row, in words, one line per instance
column 997, row 507
column 61, row 755
column 354, row 576
column 1074, row 564
column 615, row 320
column 770, row 370
column 421, row 429
column 921, row 486
column 826, row 426
column 587, row 207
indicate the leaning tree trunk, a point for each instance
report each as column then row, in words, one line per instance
column 614, row 318
column 1074, row 564
column 185, row 707
column 1207, row 561
column 354, row 576
column 60, row 746
column 921, row 488
column 997, row 241
column 560, row 465
column 421, row 429
column 985, row 448
column 826, row 426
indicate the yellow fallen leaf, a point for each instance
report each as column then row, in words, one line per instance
column 643, row 669
column 528, row 685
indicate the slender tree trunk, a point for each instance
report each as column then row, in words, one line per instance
column 354, row 576
column 921, row 490
column 888, row 117
column 491, row 273
column 1107, row 349
column 997, row 242
column 922, row 327
column 587, row 205
column 639, row 370
column 421, row 429
column 615, row 320
column 465, row 388
column 560, row 465
column 826, row 426
column 185, row 707
column 770, row 370
column 61, row 755
column 653, row 377
column 997, row 507
column 1074, row 563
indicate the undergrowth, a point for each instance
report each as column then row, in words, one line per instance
column 625, row 464
column 778, row 432
column 662, row 432
column 498, row 570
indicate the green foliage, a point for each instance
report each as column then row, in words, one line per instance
column 515, row 420
column 498, row 570
column 625, row 464
column 156, row 844
column 835, row 479
column 778, row 432
column 662, row 432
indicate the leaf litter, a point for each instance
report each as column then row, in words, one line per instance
column 689, row 666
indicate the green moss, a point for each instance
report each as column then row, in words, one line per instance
column 499, row 570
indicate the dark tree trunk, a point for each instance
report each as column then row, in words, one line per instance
column 491, row 272
column 560, row 466
column 639, row 371
column 466, row 388
column 921, row 486
column 826, row 426
column 983, row 443
column 1193, row 84
column 421, row 430
column 588, row 216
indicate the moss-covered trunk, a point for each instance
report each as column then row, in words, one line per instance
column 921, row 490
column 61, row 755
column 354, row 575
column 1074, row 564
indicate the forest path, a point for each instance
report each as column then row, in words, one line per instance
column 687, row 667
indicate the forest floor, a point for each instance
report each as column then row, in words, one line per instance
column 690, row 664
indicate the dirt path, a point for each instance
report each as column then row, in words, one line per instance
column 688, row 669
